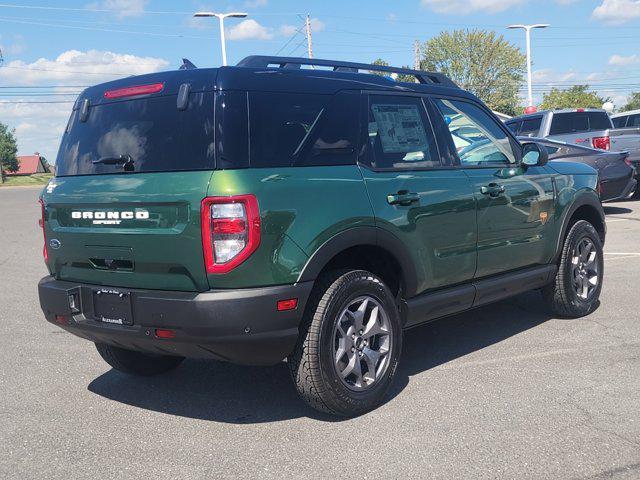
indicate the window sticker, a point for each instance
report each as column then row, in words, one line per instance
column 400, row 128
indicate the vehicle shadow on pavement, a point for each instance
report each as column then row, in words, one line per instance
column 609, row 210
column 222, row 392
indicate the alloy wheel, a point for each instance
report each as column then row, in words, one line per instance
column 362, row 343
column 584, row 268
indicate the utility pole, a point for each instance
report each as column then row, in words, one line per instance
column 416, row 55
column 309, row 45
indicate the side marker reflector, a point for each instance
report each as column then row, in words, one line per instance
column 289, row 304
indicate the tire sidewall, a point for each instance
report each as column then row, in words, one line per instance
column 351, row 286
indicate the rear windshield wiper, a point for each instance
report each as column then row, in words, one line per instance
column 125, row 160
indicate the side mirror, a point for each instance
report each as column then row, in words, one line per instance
column 534, row 155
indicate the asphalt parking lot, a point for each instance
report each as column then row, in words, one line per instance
column 505, row 391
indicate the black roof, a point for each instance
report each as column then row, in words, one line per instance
column 285, row 74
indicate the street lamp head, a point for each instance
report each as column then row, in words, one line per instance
column 221, row 15
column 529, row 27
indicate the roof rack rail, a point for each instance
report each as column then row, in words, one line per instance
column 263, row 61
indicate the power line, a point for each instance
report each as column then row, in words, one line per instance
column 65, row 71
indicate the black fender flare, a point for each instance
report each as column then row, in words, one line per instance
column 588, row 199
column 363, row 236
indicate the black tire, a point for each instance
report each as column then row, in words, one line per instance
column 313, row 363
column 137, row 363
column 561, row 295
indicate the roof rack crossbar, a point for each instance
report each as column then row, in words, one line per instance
column 263, row 61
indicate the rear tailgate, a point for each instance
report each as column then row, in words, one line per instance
column 139, row 230
column 580, row 127
column 134, row 223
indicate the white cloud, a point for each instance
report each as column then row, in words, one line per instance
column 121, row 8
column 469, row 6
column 39, row 126
column 288, row 30
column 621, row 61
column 92, row 66
column 255, row 3
column 249, row 30
column 317, row 25
column 616, row 12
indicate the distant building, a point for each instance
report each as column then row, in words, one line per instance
column 28, row 165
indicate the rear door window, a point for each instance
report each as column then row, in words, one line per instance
column 530, row 127
column 599, row 121
column 634, row 121
column 152, row 131
column 619, row 122
column 399, row 134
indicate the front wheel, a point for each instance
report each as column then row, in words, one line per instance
column 576, row 288
column 349, row 345
column 137, row 363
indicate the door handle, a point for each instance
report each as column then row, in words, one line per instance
column 403, row 198
column 493, row 190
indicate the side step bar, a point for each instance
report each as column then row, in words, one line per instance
column 433, row 305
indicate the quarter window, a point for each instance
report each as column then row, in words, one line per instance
column 399, row 134
column 619, row 122
column 478, row 139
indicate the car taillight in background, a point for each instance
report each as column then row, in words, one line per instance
column 602, row 143
column 45, row 254
column 230, row 231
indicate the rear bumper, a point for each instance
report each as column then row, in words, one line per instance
column 240, row 326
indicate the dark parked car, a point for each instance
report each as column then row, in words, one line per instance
column 615, row 170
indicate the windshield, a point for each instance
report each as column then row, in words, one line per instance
column 152, row 132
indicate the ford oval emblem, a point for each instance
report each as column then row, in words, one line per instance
column 55, row 243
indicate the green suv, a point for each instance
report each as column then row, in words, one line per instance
column 273, row 211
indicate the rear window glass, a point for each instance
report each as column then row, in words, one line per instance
column 634, row 121
column 573, row 122
column 514, row 126
column 530, row 127
column 152, row 131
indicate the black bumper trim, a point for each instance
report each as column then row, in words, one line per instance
column 241, row 326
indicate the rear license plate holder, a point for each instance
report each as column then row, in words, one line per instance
column 112, row 306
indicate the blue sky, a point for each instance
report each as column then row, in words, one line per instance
column 64, row 45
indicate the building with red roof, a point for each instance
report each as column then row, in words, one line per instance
column 29, row 164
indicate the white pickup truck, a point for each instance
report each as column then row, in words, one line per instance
column 588, row 127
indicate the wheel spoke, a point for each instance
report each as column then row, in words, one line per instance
column 373, row 327
column 351, row 365
column 585, row 287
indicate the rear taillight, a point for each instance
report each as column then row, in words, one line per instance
column 230, row 231
column 45, row 254
column 601, row 143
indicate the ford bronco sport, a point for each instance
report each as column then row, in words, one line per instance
column 270, row 211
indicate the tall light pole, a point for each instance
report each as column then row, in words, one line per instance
column 527, row 29
column 221, row 17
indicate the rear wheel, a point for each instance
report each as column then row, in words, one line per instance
column 349, row 345
column 137, row 363
column 576, row 288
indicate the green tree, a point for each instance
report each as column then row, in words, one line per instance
column 479, row 61
column 401, row 77
column 8, row 149
column 633, row 102
column 578, row 96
